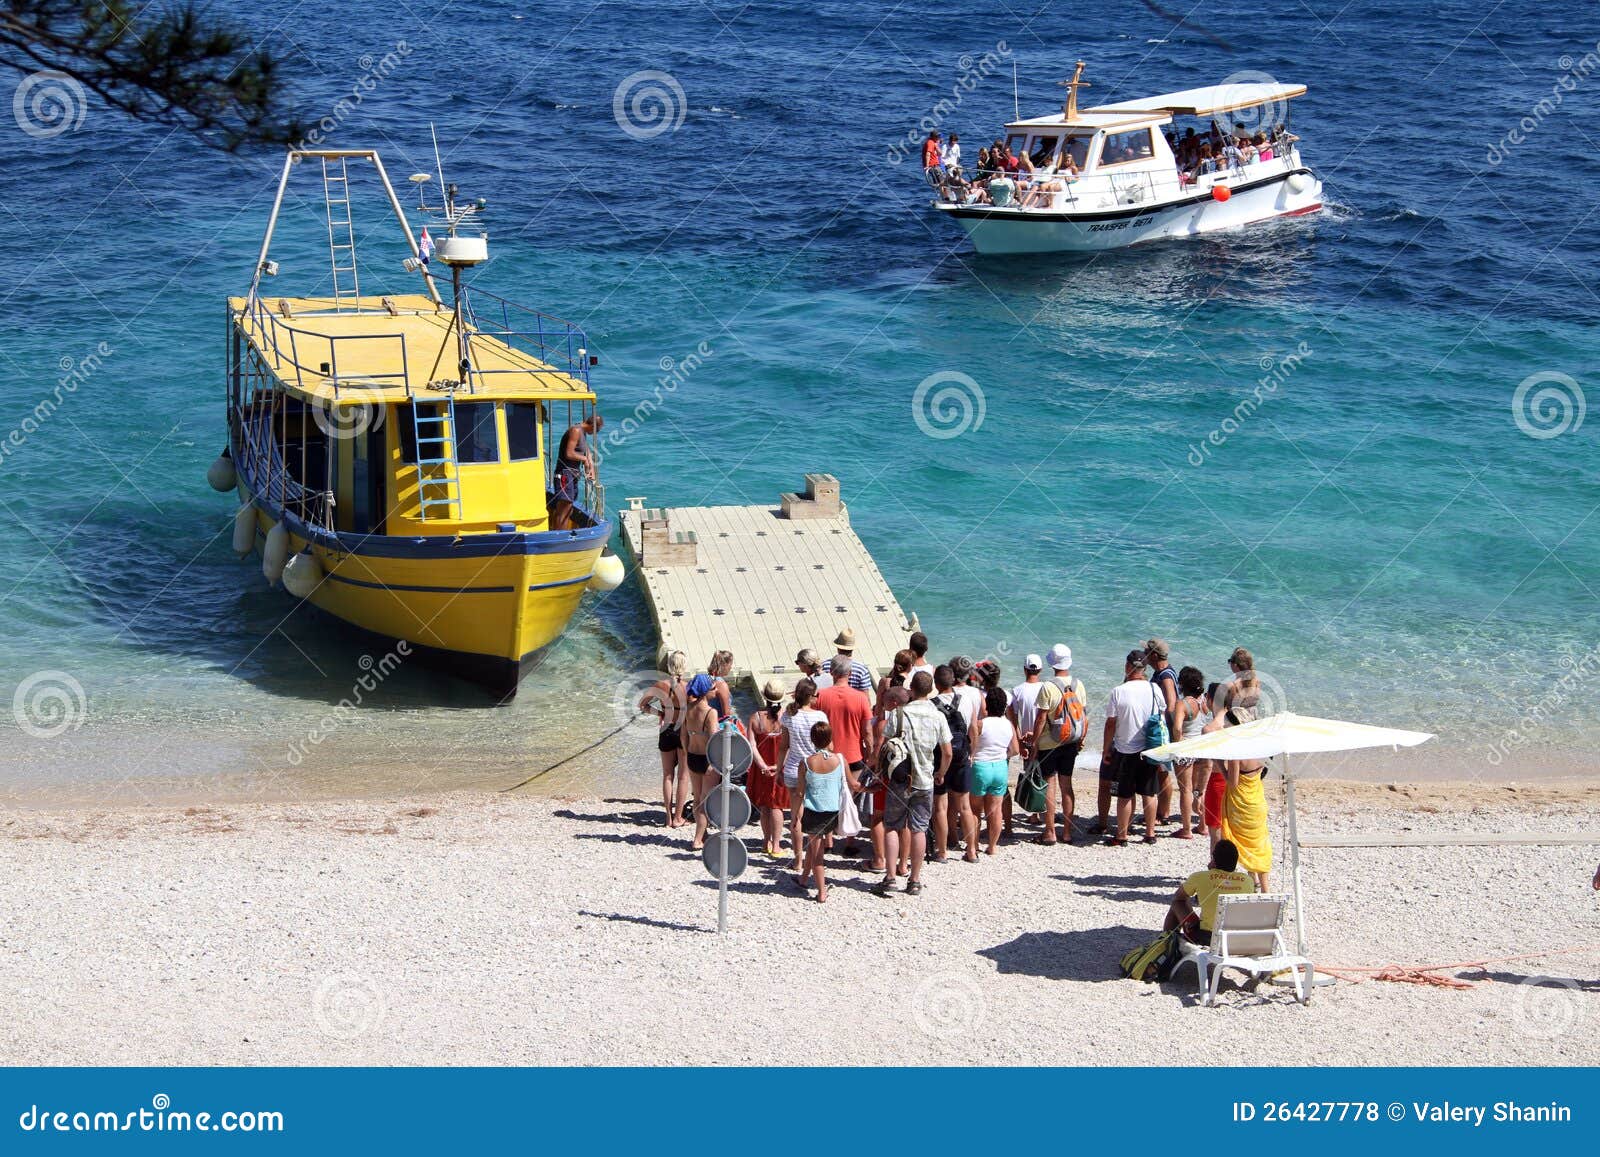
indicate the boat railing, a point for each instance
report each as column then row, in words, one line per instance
column 561, row 345
column 1113, row 190
column 262, row 461
column 288, row 345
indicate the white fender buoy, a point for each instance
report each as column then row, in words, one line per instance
column 1299, row 182
column 608, row 573
column 222, row 475
column 302, row 574
column 244, row 530
column 275, row 554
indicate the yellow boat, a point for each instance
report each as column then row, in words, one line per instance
column 395, row 455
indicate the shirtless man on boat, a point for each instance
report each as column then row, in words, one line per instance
column 573, row 457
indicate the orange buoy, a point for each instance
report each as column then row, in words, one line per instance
column 1220, row 192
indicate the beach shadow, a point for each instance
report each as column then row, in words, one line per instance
column 644, row 819
column 1090, row 954
column 1122, row 881
column 634, row 839
column 742, row 887
column 618, row 917
column 1570, row 983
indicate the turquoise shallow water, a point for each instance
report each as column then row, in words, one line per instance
column 1379, row 530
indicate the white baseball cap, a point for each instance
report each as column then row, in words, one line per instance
column 1060, row 657
column 1033, row 663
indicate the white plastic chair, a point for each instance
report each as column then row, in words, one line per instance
column 1248, row 936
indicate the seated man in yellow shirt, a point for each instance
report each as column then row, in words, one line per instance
column 1194, row 904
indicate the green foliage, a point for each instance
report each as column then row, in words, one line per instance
column 179, row 67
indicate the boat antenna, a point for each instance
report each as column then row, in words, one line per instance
column 437, row 163
column 1070, row 110
column 1016, row 105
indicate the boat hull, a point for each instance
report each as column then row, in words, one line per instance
column 480, row 606
column 1015, row 231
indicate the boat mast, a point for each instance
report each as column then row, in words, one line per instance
column 1069, row 111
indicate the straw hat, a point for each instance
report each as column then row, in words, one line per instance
column 773, row 691
column 846, row 640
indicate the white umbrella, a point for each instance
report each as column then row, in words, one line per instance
column 1288, row 734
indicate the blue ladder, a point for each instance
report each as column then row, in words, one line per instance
column 439, row 490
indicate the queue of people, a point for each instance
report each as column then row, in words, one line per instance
column 917, row 766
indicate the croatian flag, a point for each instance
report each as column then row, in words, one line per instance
column 425, row 246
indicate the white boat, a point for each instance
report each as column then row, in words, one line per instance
column 1107, row 177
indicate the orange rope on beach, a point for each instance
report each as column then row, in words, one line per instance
column 1426, row 974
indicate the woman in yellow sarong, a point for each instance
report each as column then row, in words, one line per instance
column 1244, row 819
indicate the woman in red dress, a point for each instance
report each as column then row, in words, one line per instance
column 765, row 781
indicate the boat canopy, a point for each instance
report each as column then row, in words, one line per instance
column 392, row 349
column 1091, row 119
column 1200, row 102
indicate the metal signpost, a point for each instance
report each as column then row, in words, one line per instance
column 728, row 810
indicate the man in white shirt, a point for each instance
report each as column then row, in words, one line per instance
column 1024, row 701
column 951, row 155
column 910, row 806
column 1132, row 703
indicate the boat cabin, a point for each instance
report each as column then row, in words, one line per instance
column 363, row 427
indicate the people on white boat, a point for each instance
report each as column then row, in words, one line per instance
column 950, row 156
column 574, row 457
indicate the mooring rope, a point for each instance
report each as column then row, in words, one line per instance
column 568, row 759
column 1427, row 973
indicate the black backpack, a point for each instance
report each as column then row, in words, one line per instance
column 960, row 741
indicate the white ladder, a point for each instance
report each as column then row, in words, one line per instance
column 341, row 233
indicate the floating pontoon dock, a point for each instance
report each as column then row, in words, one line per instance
column 763, row 581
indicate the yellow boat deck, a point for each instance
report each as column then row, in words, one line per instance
column 360, row 352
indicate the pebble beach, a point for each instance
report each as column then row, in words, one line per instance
column 475, row 928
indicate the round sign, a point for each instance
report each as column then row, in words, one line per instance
column 711, row 854
column 738, row 808
column 730, row 753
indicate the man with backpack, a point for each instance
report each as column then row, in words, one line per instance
column 952, row 803
column 916, row 747
column 1060, row 723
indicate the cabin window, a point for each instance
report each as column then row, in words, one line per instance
column 1077, row 147
column 522, row 430
column 1043, row 151
column 477, row 439
column 1133, row 145
column 1014, row 144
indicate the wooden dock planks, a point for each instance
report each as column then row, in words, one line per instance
column 764, row 587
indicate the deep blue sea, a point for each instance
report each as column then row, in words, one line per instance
column 1388, row 534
